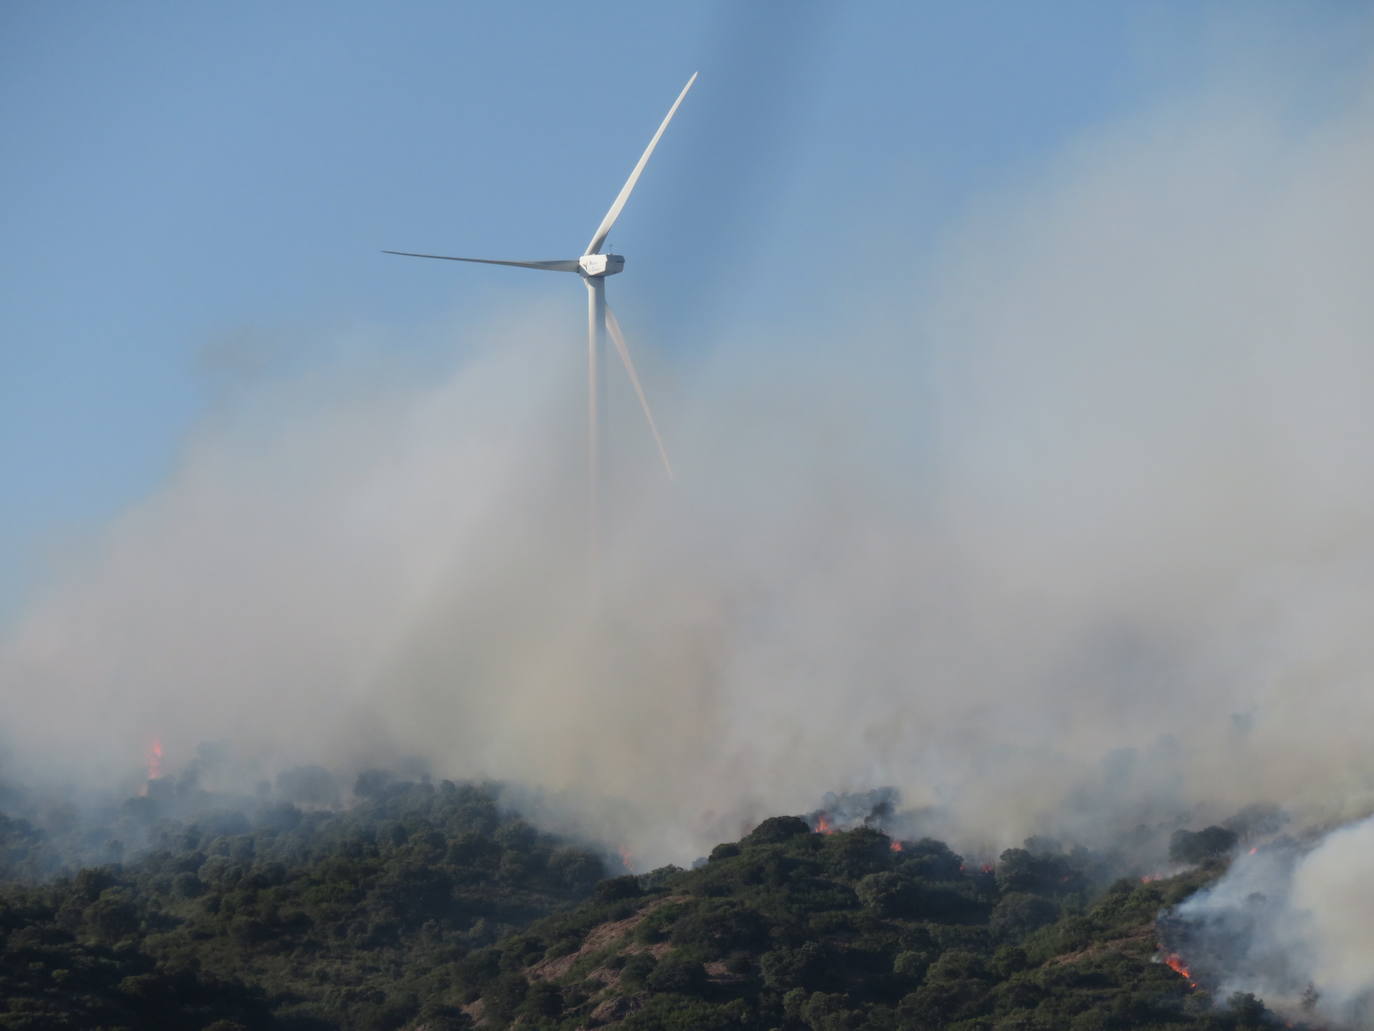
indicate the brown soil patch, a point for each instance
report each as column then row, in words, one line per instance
column 599, row 938
column 1115, row 945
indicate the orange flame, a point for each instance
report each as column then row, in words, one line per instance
column 823, row 825
column 155, row 760
column 895, row 845
column 1175, row 963
column 626, row 857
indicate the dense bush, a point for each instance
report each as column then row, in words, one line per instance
column 308, row 919
column 1202, row 846
column 799, row 930
column 430, row 907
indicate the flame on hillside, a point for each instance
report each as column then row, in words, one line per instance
column 153, row 763
column 1174, row 962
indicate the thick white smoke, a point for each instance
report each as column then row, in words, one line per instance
column 1071, row 535
column 1332, row 897
column 1293, row 927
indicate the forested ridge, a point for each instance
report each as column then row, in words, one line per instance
column 432, row 906
column 286, row 918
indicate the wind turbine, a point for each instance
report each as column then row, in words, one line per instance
column 594, row 267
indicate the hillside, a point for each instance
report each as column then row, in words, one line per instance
column 852, row 931
column 432, row 908
column 279, row 918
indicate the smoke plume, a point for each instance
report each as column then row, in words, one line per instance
column 1291, row 924
column 1067, row 536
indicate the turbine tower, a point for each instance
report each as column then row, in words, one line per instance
column 594, row 267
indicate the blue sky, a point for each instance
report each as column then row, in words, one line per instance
column 186, row 182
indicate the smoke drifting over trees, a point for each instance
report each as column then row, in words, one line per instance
column 1291, row 924
column 1072, row 535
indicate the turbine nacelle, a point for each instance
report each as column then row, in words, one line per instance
column 597, row 266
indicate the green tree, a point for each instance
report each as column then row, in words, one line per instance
column 1202, row 846
column 776, row 829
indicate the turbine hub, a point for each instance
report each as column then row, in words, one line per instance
column 596, row 266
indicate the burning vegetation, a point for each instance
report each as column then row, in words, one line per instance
column 155, row 760
column 1175, row 963
column 442, row 909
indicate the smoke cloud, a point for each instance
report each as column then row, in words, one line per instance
column 1291, row 925
column 1069, row 535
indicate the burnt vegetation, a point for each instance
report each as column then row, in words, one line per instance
column 431, row 906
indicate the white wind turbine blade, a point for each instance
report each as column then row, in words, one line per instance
column 599, row 237
column 568, row 265
column 618, row 338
